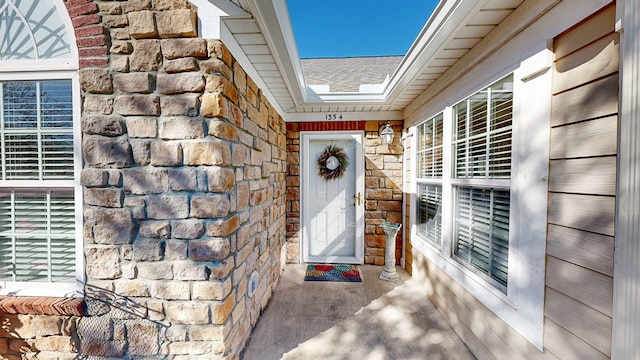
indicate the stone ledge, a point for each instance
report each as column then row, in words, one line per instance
column 37, row 305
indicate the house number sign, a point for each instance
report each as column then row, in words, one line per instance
column 333, row 116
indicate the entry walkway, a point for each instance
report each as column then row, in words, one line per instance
column 373, row 320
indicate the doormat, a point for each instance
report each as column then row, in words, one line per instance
column 321, row 272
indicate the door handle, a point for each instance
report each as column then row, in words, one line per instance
column 357, row 197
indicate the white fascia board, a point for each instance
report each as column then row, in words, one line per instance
column 345, row 116
column 272, row 16
column 210, row 13
column 357, row 98
column 318, row 89
column 210, row 16
column 235, row 49
column 375, row 88
column 443, row 24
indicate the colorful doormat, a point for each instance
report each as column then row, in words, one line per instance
column 320, row 272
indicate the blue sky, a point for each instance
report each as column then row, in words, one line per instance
column 346, row 28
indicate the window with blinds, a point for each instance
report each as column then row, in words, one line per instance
column 430, row 212
column 37, row 221
column 430, row 166
column 481, row 150
column 37, row 235
column 470, row 167
column 482, row 231
column 482, row 133
column 430, row 134
column 37, row 130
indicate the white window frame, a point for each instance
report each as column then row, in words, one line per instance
column 430, row 181
column 522, row 306
column 53, row 69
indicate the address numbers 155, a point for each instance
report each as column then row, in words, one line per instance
column 333, row 116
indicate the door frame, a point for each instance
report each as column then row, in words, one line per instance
column 305, row 168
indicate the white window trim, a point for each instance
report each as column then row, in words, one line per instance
column 57, row 289
column 522, row 307
column 54, row 69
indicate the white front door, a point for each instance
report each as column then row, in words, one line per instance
column 332, row 205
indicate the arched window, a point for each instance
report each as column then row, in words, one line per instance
column 40, row 196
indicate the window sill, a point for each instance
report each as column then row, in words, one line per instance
column 38, row 305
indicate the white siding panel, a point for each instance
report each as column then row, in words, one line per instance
column 475, row 31
column 443, row 62
column 250, row 39
column 242, row 26
column 490, row 17
column 560, row 342
column 435, row 69
column 597, row 60
column 265, row 66
column 503, row 4
column 587, row 138
column 587, row 286
column 579, row 319
column 594, row 175
column 586, row 249
column 586, row 212
column 256, row 49
column 270, row 74
column 452, row 54
column 462, row 43
column 424, row 76
column 422, row 83
column 257, row 59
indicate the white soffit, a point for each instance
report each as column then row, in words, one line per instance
column 269, row 55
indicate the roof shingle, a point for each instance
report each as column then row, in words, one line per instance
column 347, row 74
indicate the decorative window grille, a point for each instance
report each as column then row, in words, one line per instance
column 32, row 29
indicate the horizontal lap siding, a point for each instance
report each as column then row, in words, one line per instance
column 582, row 183
column 485, row 334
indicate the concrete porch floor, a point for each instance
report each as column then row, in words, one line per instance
column 373, row 320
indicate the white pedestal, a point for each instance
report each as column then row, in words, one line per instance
column 389, row 273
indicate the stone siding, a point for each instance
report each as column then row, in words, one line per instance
column 48, row 336
column 184, row 193
column 383, row 189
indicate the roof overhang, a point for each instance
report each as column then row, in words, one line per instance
column 260, row 37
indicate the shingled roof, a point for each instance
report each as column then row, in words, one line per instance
column 347, row 74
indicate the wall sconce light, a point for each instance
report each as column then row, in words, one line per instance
column 387, row 134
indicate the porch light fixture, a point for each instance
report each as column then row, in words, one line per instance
column 387, row 134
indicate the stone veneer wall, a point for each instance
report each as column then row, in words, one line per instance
column 184, row 194
column 383, row 182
